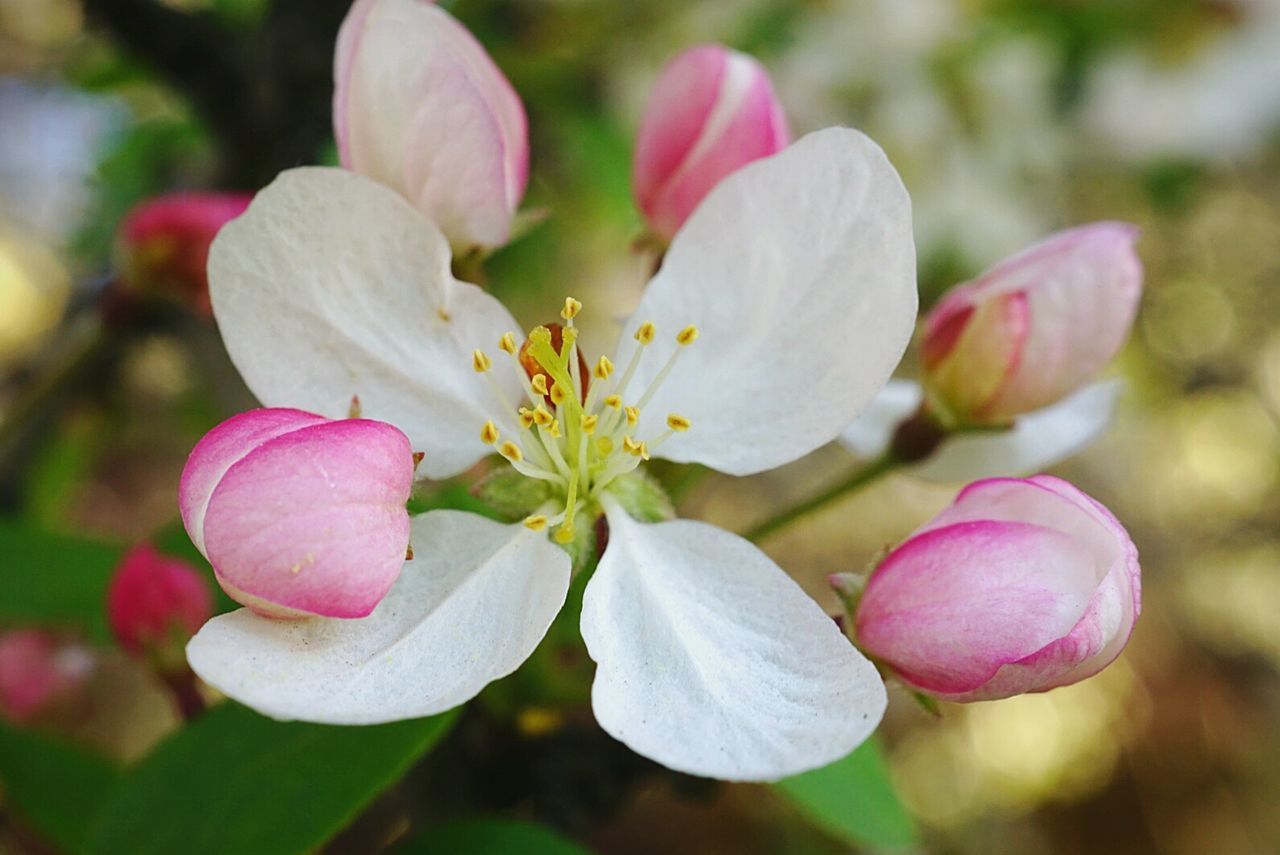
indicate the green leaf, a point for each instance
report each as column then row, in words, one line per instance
column 55, row 580
column 235, row 781
column 853, row 799
column 54, row 786
column 489, row 837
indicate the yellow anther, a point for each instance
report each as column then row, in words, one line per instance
column 644, row 451
column 526, row 417
column 353, row 410
column 588, row 424
column 644, row 335
column 571, row 309
column 679, row 423
column 511, row 451
column 537, row 522
column 569, row 336
column 489, row 433
column 507, row 343
column 603, row 368
column 541, row 417
column 687, row 336
column 633, row 415
column 539, row 383
column 540, row 335
column 558, row 394
column 553, row 430
column 604, row 445
column 630, row 446
column 613, row 401
column 480, row 361
column 563, row 535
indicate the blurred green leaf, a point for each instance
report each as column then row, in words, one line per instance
column 490, row 837
column 55, row 580
column 54, row 786
column 853, row 799
column 235, row 781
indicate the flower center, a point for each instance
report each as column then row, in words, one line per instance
column 575, row 428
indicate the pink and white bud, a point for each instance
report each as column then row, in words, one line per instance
column 298, row 514
column 163, row 244
column 712, row 111
column 38, row 671
column 1019, row 586
column 419, row 106
column 155, row 603
column 1034, row 328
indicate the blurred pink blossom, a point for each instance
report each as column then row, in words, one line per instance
column 163, row 244
column 155, row 600
column 37, row 670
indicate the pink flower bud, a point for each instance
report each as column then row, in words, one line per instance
column 37, row 671
column 298, row 514
column 712, row 111
column 163, row 245
column 1019, row 586
column 420, row 106
column 1034, row 328
column 156, row 602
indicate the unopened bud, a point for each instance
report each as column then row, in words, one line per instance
column 711, row 112
column 300, row 515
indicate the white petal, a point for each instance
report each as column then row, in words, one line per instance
column 332, row 285
column 469, row 608
column 1037, row 441
column 870, row 433
column 799, row 271
column 712, row 661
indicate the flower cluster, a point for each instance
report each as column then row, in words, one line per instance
column 785, row 299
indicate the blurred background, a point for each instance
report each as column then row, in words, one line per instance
column 1007, row 119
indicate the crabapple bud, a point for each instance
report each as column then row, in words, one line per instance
column 1019, row 586
column 1034, row 328
column 712, row 111
column 419, row 106
column 299, row 514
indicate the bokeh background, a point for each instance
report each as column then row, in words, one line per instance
column 1007, row 119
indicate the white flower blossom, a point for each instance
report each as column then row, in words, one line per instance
column 782, row 306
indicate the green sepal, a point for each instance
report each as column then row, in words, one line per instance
column 642, row 497
column 582, row 549
column 511, row 494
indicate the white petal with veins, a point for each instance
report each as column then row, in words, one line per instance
column 332, row 285
column 469, row 608
column 799, row 272
column 713, row 661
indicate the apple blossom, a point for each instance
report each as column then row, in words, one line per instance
column 37, row 670
column 163, row 245
column 710, row 658
column 1032, row 329
column 420, row 106
column 712, row 111
column 1019, row 586
column 299, row 514
column 154, row 600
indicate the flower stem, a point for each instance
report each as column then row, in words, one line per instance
column 873, row 471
